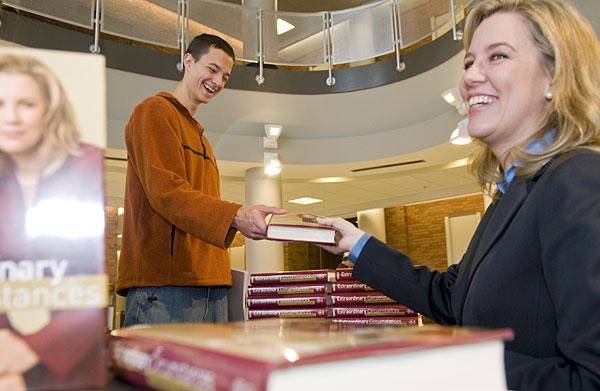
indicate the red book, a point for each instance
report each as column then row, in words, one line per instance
column 53, row 281
column 359, row 298
column 299, row 227
column 350, row 286
column 344, row 275
column 371, row 310
column 295, row 289
column 303, row 354
column 389, row 320
column 288, row 301
column 305, row 312
column 295, row 277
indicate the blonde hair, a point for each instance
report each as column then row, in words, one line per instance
column 570, row 54
column 59, row 121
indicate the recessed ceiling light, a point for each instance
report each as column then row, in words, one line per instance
column 335, row 179
column 305, row 201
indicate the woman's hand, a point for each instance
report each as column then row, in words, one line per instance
column 346, row 237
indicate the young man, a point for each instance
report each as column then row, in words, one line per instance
column 173, row 265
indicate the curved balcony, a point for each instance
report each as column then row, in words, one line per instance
column 394, row 37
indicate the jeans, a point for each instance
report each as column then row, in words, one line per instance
column 176, row 304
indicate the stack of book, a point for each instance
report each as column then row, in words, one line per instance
column 297, row 294
column 355, row 302
column 323, row 294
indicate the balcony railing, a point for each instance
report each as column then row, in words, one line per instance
column 318, row 41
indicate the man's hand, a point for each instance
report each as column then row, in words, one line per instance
column 346, row 237
column 250, row 220
column 16, row 357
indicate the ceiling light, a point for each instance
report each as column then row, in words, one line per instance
column 273, row 131
column 283, row 26
column 336, row 179
column 305, row 200
column 273, row 165
column 452, row 96
column 460, row 135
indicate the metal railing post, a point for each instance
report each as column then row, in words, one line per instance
column 95, row 48
column 330, row 80
column 397, row 34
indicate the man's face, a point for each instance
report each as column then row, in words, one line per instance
column 205, row 78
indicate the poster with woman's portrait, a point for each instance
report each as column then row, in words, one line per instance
column 53, row 292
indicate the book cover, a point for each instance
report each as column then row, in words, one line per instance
column 291, row 289
column 371, row 310
column 384, row 320
column 304, row 312
column 53, row 303
column 350, row 286
column 298, row 227
column 321, row 300
column 302, row 354
column 293, row 277
column 358, row 298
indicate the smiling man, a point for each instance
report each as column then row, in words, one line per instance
column 174, row 266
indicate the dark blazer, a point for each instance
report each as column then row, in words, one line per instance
column 533, row 265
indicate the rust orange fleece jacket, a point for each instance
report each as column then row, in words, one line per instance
column 175, row 226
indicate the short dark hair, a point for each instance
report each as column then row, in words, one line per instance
column 203, row 42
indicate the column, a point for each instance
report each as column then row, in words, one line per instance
column 262, row 255
column 373, row 222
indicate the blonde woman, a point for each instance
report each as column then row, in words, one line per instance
column 49, row 181
column 532, row 87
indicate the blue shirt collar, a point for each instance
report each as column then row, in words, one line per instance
column 536, row 146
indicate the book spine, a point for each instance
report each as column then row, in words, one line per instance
column 160, row 365
column 317, row 312
column 289, row 278
column 371, row 310
column 344, row 275
column 296, row 289
column 288, row 301
column 360, row 298
column 350, row 286
column 398, row 320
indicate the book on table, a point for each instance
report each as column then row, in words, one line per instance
column 302, row 312
column 298, row 227
column 301, row 354
column 288, row 289
column 287, row 301
column 384, row 309
column 292, row 277
column 372, row 320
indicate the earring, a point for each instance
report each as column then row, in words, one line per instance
column 549, row 95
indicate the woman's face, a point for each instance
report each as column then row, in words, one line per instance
column 504, row 83
column 22, row 109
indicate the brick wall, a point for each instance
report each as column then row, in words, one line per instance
column 419, row 229
column 111, row 242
